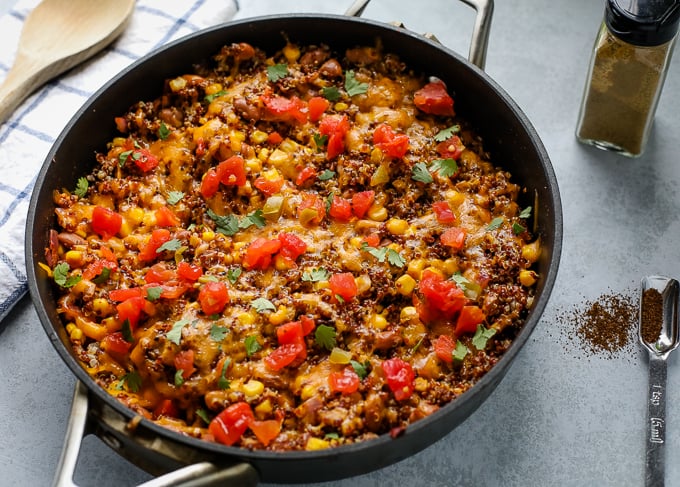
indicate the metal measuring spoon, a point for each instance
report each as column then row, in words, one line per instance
column 659, row 350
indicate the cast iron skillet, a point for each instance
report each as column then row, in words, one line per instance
column 507, row 135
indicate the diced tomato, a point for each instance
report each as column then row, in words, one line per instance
column 444, row 346
column 121, row 124
column 260, row 251
column 147, row 250
column 159, row 273
column 306, row 174
column 345, row 382
column 468, row 319
column 281, row 109
column 311, row 210
column 341, row 209
column 268, row 186
column 265, row 431
column 165, row 408
column 453, row 237
column 123, row 294
column 228, row 426
column 372, row 240
column 308, row 325
column 189, row 272
column 443, row 212
column 97, row 267
column 317, row 105
column 173, row 289
column 143, row 159
column 115, row 343
column 108, row 254
column 362, row 201
column 213, row 297
column 184, row 361
column 343, row 285
column 165, row 217
column 210, row 184
column 400, row 377
column 335, row 127
column 106, row 222
column 131, row 309
column 232, row 172
column 390, row 143
column 434, row 99
column 292, row 246
column 283, row 355
column 451, row 148
column 274, row 138
column 440, row 294
column 290, row 332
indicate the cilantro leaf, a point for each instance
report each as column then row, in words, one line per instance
column 203, row 414
column 126, row 331
column 324, row 336
column 379, row 254
column 421, row 173
column 482, row 335
column 518, row 229
column 445, row 167
column 233, row 274
column 254, row 218
column 525, row 213
column 417, row 345
column 361, row 369
column 326, row 175
column 252, row 345
column 228, row 225
column 277, row 72
column 320, row 141
column 223, row 382
column 460, row 351
column 123, row 157
column 352, row 86
column 217, row 333
column 495, row 223
column 81, row 187
column 331, row 93
column 174, row 197
column 179, row 377
column 132, row 380
column 172, row 245
column 103, row 277
column 315, row 275
column 447, row 133
column 175, row 334
column 331, row 436
column 462, row 282
column 61, row 277
column 153, row 293
column 395, row 258
column 262, row 304
column 210, row 98
column 163, row 131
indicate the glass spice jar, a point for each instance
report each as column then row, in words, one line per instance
column 626, row 74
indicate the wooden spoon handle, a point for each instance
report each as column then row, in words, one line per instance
column 25, row 76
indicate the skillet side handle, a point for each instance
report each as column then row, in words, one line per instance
column 76, row 430
column 480, row 33
column 205, row 474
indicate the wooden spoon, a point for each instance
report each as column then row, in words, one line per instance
column 57, row 35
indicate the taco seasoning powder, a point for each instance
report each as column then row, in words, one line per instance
column 651, row 315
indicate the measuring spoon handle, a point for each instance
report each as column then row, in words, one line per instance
column 656, row 421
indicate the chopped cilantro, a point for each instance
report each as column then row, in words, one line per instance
column 254, row 218
column 421, row 173
column 315, row 275
column 132, row 380
column 525, row 213
column 518, row 229
column 361, row 369
column 352, row 86
column 174, row 197
column 324, row 336
column 126, row 331
column 392, row 256
column 172, row 245
column 326, row 175
column 153, row 293
column 61, row 277
column 447, row 133
column 331, row 436
column 203, row 414
column 175, row 334
column 445, row 167
column 163, row 131
column 103, row 277
column 277, row 72
column 482, row 335
column 417, row 345
column 210, row 98
column 262, row 304
column 460, row 351
column 179, row 377
column 331, row 93
column 395, row 258
column 217, row 333
column 227, row 225
column 223, row 382
column 81, row 187
column 462, row 282
column 320, row 141
column 495, row 223
column 233, row 274
column 252, row 345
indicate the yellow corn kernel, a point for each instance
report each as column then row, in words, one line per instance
column 149, row 219
column 239, row 245
column 117, row 245
column 247, row 318
column 377, row 321
column 421, row 384
column 408, row 314
column 339, row 356
column 396, row 226
column 75, row 258
column 381, row 175
column 118, row 141
column 356, row 242
column 317, row 444
column 208, row 236
column 341, row 106
column 291, row 52
column 307, row 392
column 111, row 323
column 70, row 327
column 102, row 307
column 76, row 335
column 532, row 251
column 319, row 285
column 84, row 287
column 405, row 285
column 254, row 165
column 125, row 228
column 415, row 268
column 258, row 137
column 252, row 388
column 376, row 156
column 279, row 158
column 288, row 145
column 454, row 198
column 213, row 88
column 263, row 154
column 177, row 84
column 279, row 316
column 264, row 408
column 527, row 278
column 451, row 266
column 437, row 264
column 363, row 283
column 377, row 213
column 135, row 216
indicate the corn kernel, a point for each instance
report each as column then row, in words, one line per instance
column 279, row 158
column 319, row 285
column 340, row 356
column 451, row 266
column 396, row 226
column 307, row 392
column 247, row 318
column 118, row 141
column 258, row 137
column 208, row 236
column 76, row 335
column 291, row 52
column 264, row 408
column 527, row 278
column 111, row 323
column 377, row 213
column 317, row 444
column 363, row 283
column 279, row 316
column 177, row 84
column 341, row 106
column 415, row 268
column 213, row 88
column 454, row 198
column 405, row 285
column 252, row 388
column 70, row 327
column 75, row 258
column 263, row 154
column 532, row 251
column 149, row 219
column 437, row 264
column 356, row 242
column 376, row 156
column 408, row 313
column 377, row 321
column 254, row 165
column 289, row 145
column 125, row 228
column 102, row 307
column 135, row 216
column 421, row 384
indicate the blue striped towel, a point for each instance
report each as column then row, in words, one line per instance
column 28, row 135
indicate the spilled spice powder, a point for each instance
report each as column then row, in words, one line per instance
column 651, row 315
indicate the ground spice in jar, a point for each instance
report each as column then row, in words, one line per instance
column 651, row 315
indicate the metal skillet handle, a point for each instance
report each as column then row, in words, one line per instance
column 480, row 32
column 203, row 474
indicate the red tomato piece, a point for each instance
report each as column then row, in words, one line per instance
column 210, row 184
column 345, row 382
column 453, row 237
column 308, row 173
column 123, row 294
column 400, row 377
column 434, row 99
column 259, row 253
column 173, row 289
column 451, row 148
column 115, row 343
column 361, row 202
column 165, row 217
column 232, row 172
column 184, row 361
column 143, row 159
column 440, row 294
column 443, row 212
column 317, row 105
column 159, row 273
column 335, row 127
column 444, row 346
column 343, row 285
column 390, row 143
column 213, row 297
column 106, row 222
column 372, row 240
column 311, row 210
column 97, row 267
column 265, row 431
column 283, row 356
column 268, row 186
column 281, row 109
column 166, row 408
column 274, row 138
column 147, row 250
column 228, row 426
column 121, row 124
column 290, row 332
column 468, row 319
column 308, row 325
column 292, row 246
column 131, row 310
column 189, row 272
column 341, row 209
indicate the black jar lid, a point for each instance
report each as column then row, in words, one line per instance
column 643, row 22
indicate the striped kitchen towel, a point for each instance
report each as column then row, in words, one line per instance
column 27, row 136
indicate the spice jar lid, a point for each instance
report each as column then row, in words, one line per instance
column 643, row 22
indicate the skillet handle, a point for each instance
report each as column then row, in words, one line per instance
column 480, row 32
column 203, row 474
